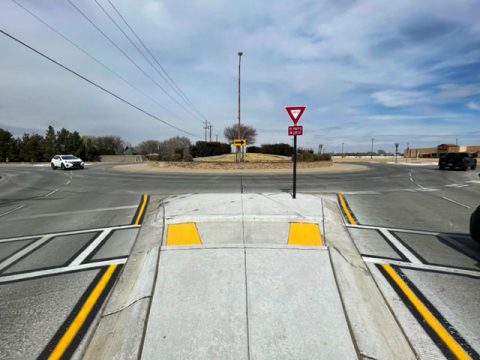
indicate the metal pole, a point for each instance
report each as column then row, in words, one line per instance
column 396, row 152
column 238, row 123
column 371, row 153
column 210, row 127
column 294, row 166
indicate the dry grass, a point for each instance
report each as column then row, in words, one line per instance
column 249, row 158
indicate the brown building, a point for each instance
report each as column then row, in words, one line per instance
column 441, row 150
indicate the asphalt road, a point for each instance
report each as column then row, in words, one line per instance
column 57, row 229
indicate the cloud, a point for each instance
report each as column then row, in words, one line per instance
column 396, row 98
column 473, row 105
column 417, row 65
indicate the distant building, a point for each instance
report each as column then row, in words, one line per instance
column 440, row 150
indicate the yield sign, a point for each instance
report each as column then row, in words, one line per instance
column 295, row 112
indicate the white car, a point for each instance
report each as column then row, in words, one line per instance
column 66, row 162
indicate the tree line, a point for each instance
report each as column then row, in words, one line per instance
column 37, row 148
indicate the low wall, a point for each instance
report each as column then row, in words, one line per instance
column 123, row 158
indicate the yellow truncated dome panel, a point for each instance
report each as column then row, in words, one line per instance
column 304, row 234
column 183, row 234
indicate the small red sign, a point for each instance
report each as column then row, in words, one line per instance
column 295, row 130
column 295, row 112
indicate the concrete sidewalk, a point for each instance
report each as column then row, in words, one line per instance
column 250, row 276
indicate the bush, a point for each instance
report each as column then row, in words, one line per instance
column 254, row 149
column 204, row 148
column 277, row 149
column 308, row 155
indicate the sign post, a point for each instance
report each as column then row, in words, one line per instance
column 295, row 113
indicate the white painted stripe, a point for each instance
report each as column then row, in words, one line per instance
column 51, row 192
column 395, row 242
column 366, row 192
column 34, row 274
column 371, row 227
column 456, row 185
column 455, row 202
column 422, row 266
column 69, row 232
column 76, row 212
column 427, row 189
column 91, row 247
column 34, row 245
column 10, row 211
column 473, row 181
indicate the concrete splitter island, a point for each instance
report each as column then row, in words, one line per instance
column 240, row 276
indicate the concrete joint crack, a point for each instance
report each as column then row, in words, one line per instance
column 127, row 306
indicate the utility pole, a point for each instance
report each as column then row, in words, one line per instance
column 408, row 152
column 238, row 123
column 396, row 152
column 205, row 127
column 210, row 127
column 216, row 137
column 371, row 153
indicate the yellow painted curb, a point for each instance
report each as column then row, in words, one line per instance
column 430, row 319
column 347, row 212
column 304, row 234
column 183, row 234
column 82, row 315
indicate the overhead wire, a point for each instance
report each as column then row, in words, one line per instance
column 125, row 54
column 136, row 47
column 94, row 58
column 97, row 85
column 174, row 84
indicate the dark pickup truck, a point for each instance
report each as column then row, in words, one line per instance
column 461, row 160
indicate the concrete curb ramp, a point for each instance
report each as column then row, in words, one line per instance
column 242, row 276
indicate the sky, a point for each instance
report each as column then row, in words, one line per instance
column 399, row 71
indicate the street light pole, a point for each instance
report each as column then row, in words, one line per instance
column 371, row 153
column 238, row 123
column 396, row 152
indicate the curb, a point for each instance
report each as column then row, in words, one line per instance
column 375, row 330
column 120, row 330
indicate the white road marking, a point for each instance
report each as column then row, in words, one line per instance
column 18, row 255
column 455, row 202
column 422, row 266
column 456, row 185
column 64, row 233
column 76, row 212
column 10, row 211
column 91, row 247
column 39, row 273
column 473, row 181
column 68, row 182
column 366, row 192
column 51, row 193
column 371, row 227
column 398, row 244
column 426, row 189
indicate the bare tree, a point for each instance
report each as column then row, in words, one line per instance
column 148, row 147
column 246, row 132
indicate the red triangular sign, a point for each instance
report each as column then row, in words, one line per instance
column 295, row 112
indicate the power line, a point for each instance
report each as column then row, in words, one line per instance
column 125, row 54
column 156, row 60
column 93, row 58
column 96, row 85
column 139, row 50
